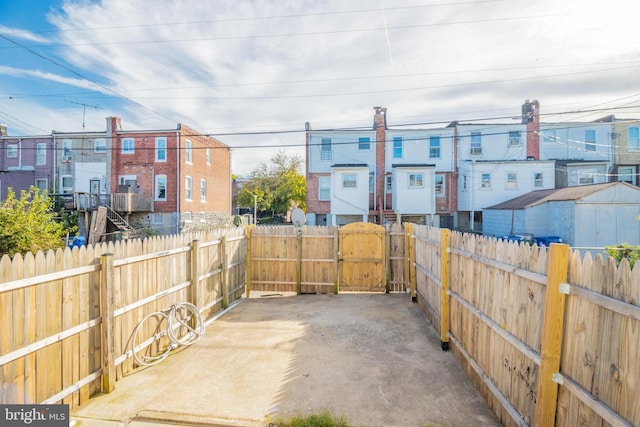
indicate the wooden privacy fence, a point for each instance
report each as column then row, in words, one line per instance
column 67, row 316
column 309, row 259
column 549, row 338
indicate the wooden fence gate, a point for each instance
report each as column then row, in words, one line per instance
column 362, row 257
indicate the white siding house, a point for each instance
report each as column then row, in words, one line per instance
column 350, row 193
column 413, row 189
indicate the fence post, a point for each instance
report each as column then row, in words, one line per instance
column 336, row 261
column 412, row 266
column 407, row 236
column 223, row 271
column 107, row 304
column 195, row 273
column 387, row 259
column 444, row 290
column 299, row 261
column 552, row 327
column 248, row 263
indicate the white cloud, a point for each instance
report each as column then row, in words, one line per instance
column 17, row 33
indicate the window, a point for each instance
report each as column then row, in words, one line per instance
column 66, row 183
column 439, row 187
column 416, row 180
column 186, row 216
column 208, row 155
column 476, row 143
column 42, row 184
column 41, row 154
column 515, row 137
column 537, row 179
column 434, row 147
column 397, row 147
column 161, row 188
column 188, row 188
column 512, row 180
column 188, row 154
column 634, row 138
column 590, row 140
column 203, row 190
column 325, row 149
column 349, row 180
column 128, row 145
column 464, row 182
column 372, row 183
column 66, row 149
column 585, row 178
column 388, row 184
column 486, row 180
column 100, row 145
column 549, row 136
column 324, row 188
column 161, row 149
column 627, row 174
column 364, row 143
column 12, row 150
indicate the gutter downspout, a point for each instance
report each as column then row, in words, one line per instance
column 473, row 213
column 55, row 162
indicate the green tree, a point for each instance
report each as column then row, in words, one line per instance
column 624, row 250
column 27, row 224
column 277, row 186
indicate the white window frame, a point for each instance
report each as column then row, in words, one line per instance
column 398, row 147
column 188, row 151
column 67, row 149
column 432, row 148
column 161, row 180
column 203, row 190
column 100, row 145
column 41, row 153
column 475, row 144
column 485, row 181
column 589, row 144
column 538, row 182
column 515, row 137
column 67, row 189
column 12, row 151
column 128, row 146
column 388, row 183
column 511, row 180
column 41, row 187
column 208, row 155
column 364, row 143
column 324, row 188
column 326, row 152
column 439, row 187
column 161, row 149
column 351, row 179
column 586, row 177
column 415, row 180
column 188, row 188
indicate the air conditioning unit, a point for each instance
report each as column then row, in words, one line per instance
column 476, row 150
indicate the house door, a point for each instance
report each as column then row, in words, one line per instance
column 362, row 257
column 94, row 186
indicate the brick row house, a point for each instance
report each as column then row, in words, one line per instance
column 446, row 176
column 165, row 180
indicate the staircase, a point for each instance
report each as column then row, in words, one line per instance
column 119, row 222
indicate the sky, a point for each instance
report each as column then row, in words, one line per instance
column 252, row 72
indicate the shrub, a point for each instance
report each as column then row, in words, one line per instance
column 624, row 250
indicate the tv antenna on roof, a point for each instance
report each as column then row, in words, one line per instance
column 84, row 109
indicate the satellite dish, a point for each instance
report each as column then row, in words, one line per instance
column 298, row 218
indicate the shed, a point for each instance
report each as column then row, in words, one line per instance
column 583, row 216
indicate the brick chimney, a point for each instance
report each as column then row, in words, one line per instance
column 531, row 117
column 3, row 130
column 380, row 126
